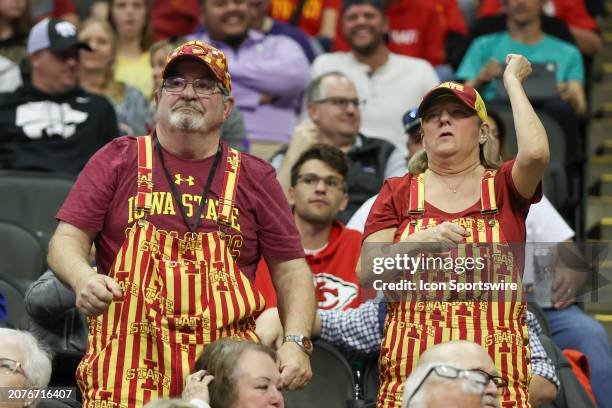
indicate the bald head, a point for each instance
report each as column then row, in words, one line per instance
column 462, row 353
column 465, row 355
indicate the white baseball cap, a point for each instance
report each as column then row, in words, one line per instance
column 55, row 35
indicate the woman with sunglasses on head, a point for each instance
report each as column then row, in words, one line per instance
column 454, row 194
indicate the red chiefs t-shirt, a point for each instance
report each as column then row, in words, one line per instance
column 390, row 209
column 103, row 198
column 573, row 12
column 333, row 270
column 416, row 28
column 310, row 20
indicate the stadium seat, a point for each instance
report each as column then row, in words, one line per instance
column 571, row 394
column 31, row 199
column 14, row 301
column 55, row 403
column 21, row 254
column 371, row 381
column 554, row 184
column 556, row 136
column 332, row 384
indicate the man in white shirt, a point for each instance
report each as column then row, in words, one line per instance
column 388, row 82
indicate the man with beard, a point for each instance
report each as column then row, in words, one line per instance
column 334, row 109
column 269, row 73
column 180, row 221
column 388, row 82
column 317, row 193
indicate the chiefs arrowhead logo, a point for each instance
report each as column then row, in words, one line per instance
column 334, row 292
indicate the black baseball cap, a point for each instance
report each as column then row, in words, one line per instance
column 55, row 35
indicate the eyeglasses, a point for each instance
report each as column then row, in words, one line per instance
column 342, row 102
column 201, row 86
column 312, row 180
column 476, row 376
column 9, row 367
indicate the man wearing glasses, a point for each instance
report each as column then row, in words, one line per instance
column 454, row 360
column 450, row 386
column 23, row 364
column 335, row 118
column 180, row 221
column 317, row 194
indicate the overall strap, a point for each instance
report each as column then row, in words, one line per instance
column 144, row 180
column 416, row 201
column 230, row 184
column 488, row 204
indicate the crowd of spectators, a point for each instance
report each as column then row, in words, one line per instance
column 326, row 92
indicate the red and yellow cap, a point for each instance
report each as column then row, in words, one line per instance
column 200, row 51
column 465, row 93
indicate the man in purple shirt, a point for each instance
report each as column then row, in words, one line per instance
column 269, row 73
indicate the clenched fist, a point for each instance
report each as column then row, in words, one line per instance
column 95, row 292
column 517, row 67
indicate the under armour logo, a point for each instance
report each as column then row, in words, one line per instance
column 178, row 180
column 65, row 29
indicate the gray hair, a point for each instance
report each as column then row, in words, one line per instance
column 418, row 376
column 37, row 362
column 313, row 92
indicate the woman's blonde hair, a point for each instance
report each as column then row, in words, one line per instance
column 419, row 162
column 114, row 89
column 220, row 359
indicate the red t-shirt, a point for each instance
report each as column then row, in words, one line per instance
column 102, row 200
column 173, row 18
column 333, row 269
column 455, row 20
column 416, row 28
column 310, row 20
column 390, row 209
column 62, row 7
column 573, row 12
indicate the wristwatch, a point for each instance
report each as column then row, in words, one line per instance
column 304, row 342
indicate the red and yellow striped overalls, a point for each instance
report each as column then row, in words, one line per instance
column 180, row 294
column 499, row 326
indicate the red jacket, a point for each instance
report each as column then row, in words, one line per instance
column 573, row 12
column 333, row 269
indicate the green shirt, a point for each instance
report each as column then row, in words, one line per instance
column 496, row 46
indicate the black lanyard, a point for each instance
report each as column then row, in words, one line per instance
column 175, row 193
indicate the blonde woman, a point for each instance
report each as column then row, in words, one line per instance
column 235, row 373
column 454, row 194
column 130, row 19
column 97, row 76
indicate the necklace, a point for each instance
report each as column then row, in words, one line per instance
column 451, row 188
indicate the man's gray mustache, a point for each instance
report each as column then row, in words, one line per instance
column 187, row 104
